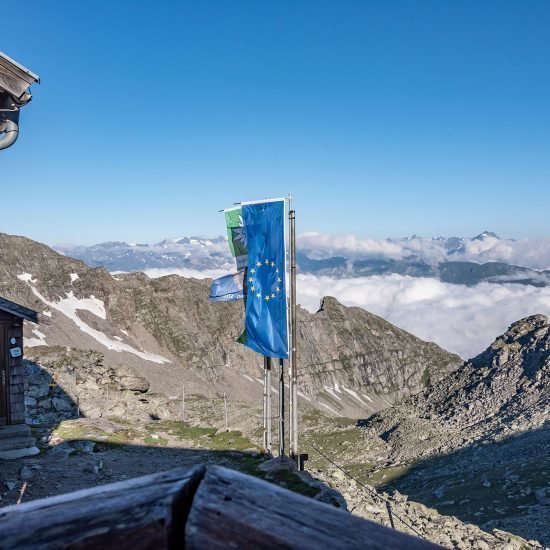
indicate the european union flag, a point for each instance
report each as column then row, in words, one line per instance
column 266, row 324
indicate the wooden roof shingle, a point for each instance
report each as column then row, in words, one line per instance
column 18, row 310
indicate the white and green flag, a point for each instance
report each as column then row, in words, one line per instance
column 236, row 235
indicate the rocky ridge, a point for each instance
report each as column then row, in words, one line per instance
column 503, row 391
column 352, row 362
column 476, row 444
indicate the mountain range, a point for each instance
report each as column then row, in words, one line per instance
column 456, row 260
column 352, row 362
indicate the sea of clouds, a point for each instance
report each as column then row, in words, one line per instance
column 461, row 319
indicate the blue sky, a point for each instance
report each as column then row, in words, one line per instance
column 382, row 118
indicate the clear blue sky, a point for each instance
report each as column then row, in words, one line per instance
column 382, row 118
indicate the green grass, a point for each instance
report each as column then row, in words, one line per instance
column 204, row 437
column 334, row 441
column 73, row 431
column 283, row 478
column 230, row 440
column 155, row 442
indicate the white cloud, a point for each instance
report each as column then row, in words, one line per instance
column 464, row 320
column 527, row 253
column 324, row 244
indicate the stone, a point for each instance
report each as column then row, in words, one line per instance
column 62, row 404
column 252, row 452
column 25, row 473
column 19, row 453
column 30, row 401
column 338, row 474
column 279, row 463
column 485, row 481
column 83, row 446
column 543, row 496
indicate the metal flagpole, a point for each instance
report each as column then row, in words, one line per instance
column 265, row 405
column 281, row 409
column 268, row 405
column 293, row 365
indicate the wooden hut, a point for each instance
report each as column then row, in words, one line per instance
column 15, row 436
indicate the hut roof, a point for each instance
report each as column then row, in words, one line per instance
column 18, row 310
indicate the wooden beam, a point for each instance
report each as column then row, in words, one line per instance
column 233, row 510
column 198, row 508
column 146, row 512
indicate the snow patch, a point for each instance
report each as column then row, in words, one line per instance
column 91, row 304
column 330, row 409
column 74, row 277
column 69, row 306
column 47, row 313
column 330, row 390
column 300, row 394
column 355, row 396
column 40, row 339
column 26, row 277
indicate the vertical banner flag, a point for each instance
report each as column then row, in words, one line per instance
column 230, row 287
column 266, row 322
column 236, row 235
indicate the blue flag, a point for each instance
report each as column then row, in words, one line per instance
column 227, row 288
column 266, row 324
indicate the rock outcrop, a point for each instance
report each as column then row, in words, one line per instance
column 503, row 391
column 420, row 520
column 477, row 444
column 68, row 383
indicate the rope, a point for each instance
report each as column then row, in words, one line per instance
column 373, row 492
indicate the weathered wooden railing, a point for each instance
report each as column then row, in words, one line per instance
column 202, row 508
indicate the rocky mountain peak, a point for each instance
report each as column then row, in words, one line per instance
column 484, row 235
column 329, row 303
column 503, row 391
column 526, row 344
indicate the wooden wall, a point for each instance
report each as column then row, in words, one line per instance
column 16, row 372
